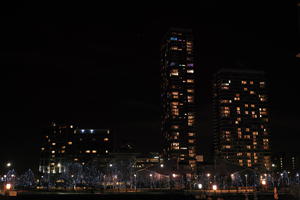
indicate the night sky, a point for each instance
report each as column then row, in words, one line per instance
column 98, row 66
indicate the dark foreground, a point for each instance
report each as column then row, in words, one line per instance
column 141, row 196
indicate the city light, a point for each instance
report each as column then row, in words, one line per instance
column 174, row 175
column 110, row 165
column 150, row 175
column 214, row 187
column 263, row 182
column 161, row 165
column 208, row 174
column 8, row 186
column 200, row 186
column 8, row 164
column 134, row 175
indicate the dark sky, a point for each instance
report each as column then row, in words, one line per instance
column 98, row 66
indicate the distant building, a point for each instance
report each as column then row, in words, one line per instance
column 178, row 98
column 286, row 162
column 66, row 143
column 241, row 118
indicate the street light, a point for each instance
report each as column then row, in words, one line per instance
column 8, row 164
column 214, row 187
column 8, row 186
column 200, row 186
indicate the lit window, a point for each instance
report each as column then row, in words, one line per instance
column 190, row 80
column 225, row 111
column 245, row 89
column 75, row 159
column 70, row 142
column 94, row 151
column 191, row 141
column 262, row 84
column 225, row 101
column 252, row 92
column 174, row 103
column 62, row 151
column 251, row 82
column 174, row 72
column 190, row 90
column 175, row 127
column 42, row 148
column 190, row 71
column 52, row 151
column 53, row 144
column 87, row 151
column 190, row 99
column 263, row 98
column 105, row 139
column 174, row 48
column 191, row 134
column 63, row 147
column 244, row 82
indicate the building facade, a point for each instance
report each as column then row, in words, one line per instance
column 178, row 98
column 68, row 144
column 241, row 118
column 286, row 162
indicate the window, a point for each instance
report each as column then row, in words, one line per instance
column 190, row 122
column 190, row 99
column 261, row 84
column 244, row 82
column 191, row 134
column 190, row 90
column 225, row 101
column 174, row 103
column 70, row 142
column 175, row 127
column 174, row 72
column 105, row 139
column 191, row 141
column 190, row 80
column 94, row 151
column 190, row 71
column 225, row 111
column 87, row 151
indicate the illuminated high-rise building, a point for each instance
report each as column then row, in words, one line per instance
column 241, row 123
column 67, row 144
column 178, row 98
